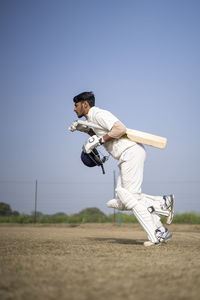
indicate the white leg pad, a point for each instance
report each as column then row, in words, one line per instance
column 146, row 221
column 116, row 203
column 158, row 211
column 140, row 211
column 156, row 203
column 156, row 219
column 128, row 199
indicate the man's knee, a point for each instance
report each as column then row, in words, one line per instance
column 129, row 199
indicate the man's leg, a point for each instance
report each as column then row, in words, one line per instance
column 129, row 191
column 159, row 205
column 131, row 174
column 141, row 213
column 116, row 202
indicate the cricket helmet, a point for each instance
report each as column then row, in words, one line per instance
column 93, row 159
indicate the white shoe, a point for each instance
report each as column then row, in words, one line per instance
column 116, row 203
column 169, row 205
column 161, row 237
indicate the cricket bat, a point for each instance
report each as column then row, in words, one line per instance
column 136, row 136
column 146, row 138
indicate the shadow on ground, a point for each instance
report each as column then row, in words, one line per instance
column 119, row 241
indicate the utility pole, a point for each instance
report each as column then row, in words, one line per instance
column 35, row 218
column 119, row 220
column 114, row 194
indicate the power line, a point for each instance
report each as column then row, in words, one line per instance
column 17, row 181
column 97, row 182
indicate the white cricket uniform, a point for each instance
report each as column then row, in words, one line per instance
column 131, row 156
column 106, row 120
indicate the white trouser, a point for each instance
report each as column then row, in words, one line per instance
column 131, row 166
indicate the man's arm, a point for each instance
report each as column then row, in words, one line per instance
column 91, row 132
column 81, row 127
column 116, row 132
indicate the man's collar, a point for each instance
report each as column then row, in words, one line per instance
column 89, row 112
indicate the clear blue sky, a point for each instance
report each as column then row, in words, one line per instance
column 140, row 58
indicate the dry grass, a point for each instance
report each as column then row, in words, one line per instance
column 97, row 261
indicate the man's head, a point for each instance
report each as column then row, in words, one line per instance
column 83, row 102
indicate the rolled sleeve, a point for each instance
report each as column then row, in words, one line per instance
column 117, row 130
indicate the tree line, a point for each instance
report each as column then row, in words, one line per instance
column 87, row 215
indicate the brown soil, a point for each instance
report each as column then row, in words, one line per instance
column 97, row 261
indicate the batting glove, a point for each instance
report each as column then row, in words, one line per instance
column 91, row 143
column 76, row 126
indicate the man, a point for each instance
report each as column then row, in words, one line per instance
column 131, row 156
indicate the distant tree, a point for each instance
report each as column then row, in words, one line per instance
column 38, row 214
column 91, row 214
column 59, row 214
column 92, row 211
column 15, row 213
column 5, row 209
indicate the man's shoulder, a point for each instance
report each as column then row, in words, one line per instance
column 98, row 114
column 96, row 110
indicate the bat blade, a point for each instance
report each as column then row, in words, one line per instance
column 146, row 138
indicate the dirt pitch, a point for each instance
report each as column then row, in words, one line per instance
column 97, row 261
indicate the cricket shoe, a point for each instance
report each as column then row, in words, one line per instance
column 161, row 237
column 169, row 205
column 116, row 203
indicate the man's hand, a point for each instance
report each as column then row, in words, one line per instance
column 91, row 143
column 76, row 126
